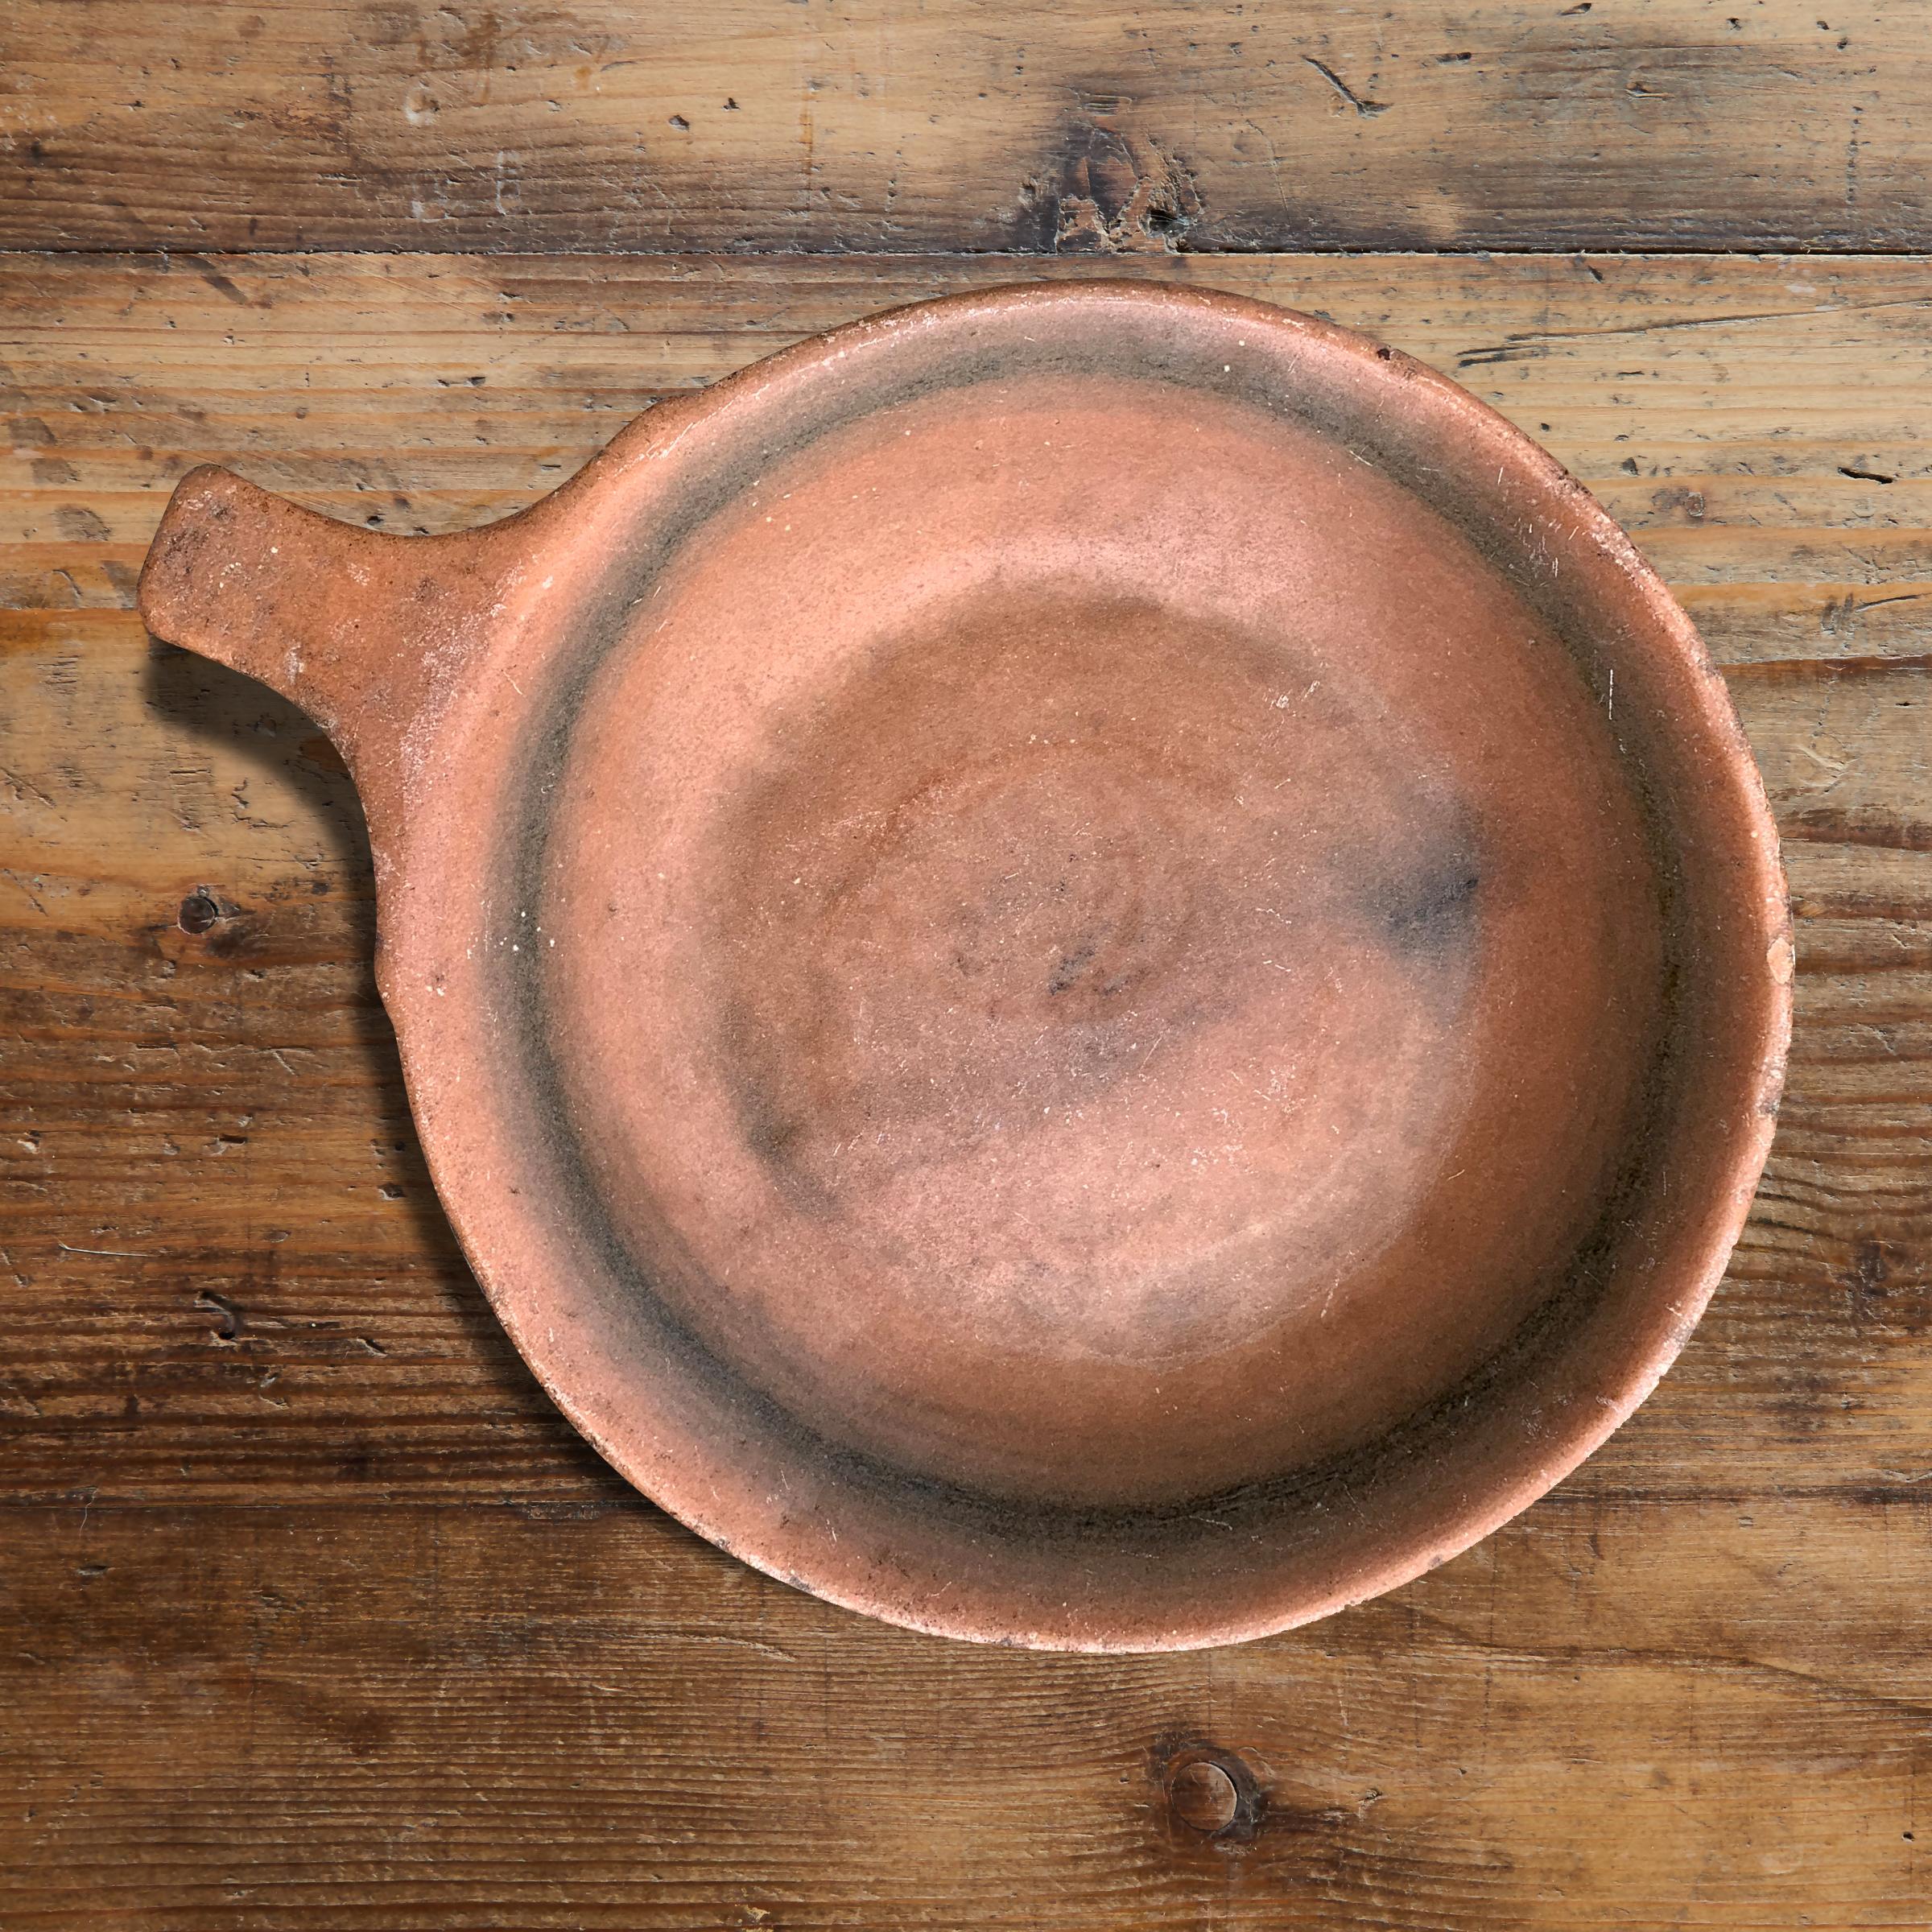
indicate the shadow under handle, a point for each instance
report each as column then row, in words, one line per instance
column 356, row 626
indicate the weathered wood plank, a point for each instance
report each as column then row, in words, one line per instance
column 546, row 1718
column 859, row 125
column 224, row 1273
column 278, row 1653
column 1735, row 415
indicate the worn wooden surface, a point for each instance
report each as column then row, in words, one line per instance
column 966, row 124
column 313, row 1614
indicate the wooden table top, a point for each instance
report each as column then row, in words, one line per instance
column 313, row 1613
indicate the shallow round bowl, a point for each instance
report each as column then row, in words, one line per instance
column 1091, row 966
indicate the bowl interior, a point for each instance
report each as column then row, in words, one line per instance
column 1154, row 948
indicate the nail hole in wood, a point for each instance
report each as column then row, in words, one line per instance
column 1204, row 1796
column 198, row 913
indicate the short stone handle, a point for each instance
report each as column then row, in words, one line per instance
column 354, row 626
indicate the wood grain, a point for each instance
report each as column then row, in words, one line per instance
column 965, row 125
column 315, row 1615
column 583, row 1717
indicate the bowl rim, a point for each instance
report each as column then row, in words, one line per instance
column 678, row 1487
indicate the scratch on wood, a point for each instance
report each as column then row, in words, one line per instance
column 1367, row 109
